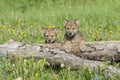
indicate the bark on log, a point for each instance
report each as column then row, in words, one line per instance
column 55, row 56
column 103, row 50
column 99, row 50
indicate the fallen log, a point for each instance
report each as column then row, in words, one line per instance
column 103, row 50
column 98, row 51
column 55, row 56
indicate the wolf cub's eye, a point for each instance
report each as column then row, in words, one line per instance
column 51, row 35
column 73, row 28
column 46, row 35
column 68, row 28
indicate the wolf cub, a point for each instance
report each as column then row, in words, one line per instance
column 50, row 34
column 73, row 39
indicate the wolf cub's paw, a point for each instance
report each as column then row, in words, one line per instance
column 82, row 48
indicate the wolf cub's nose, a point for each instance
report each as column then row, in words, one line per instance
column 49, row 40
column 69, row 34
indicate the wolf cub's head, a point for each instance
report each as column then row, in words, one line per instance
column 50, row 34
column 71, row 27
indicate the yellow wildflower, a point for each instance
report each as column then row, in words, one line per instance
column 110, row 31
column 36, row 74
column 4, row 28
column 20, row 58
column 9, row 26
column 25, row 63
column 24, row 32
column 31, row 26
column 13, row 65
column 51, row 26
column 19, row 21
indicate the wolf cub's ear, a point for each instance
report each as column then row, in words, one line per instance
column 65, row 21
column 56, row 30
column 44, row 29
column 77, row 21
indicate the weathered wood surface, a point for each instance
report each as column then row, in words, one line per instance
column 99, row 50
column 55, row 56
column 103, row 50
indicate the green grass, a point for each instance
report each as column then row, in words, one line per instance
column 22, row 20
column 97, row 18
column 35, row 70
